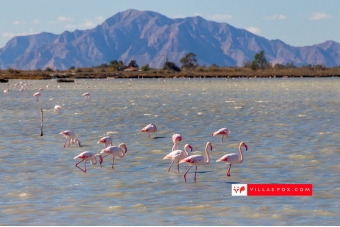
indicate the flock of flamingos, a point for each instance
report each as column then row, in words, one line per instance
column 177, row 155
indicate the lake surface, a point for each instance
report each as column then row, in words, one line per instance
column 291, row 127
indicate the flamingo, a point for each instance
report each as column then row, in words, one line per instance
column 149, row 128
column 106, row 140
column 114, row 151
column 37, row 95
column 233, row 158
column 69, row 135
column 196, row 160
column 87, row 95
column 57, row 108
column 88, row 156
column 178, row 155
column 223, row 131
column 176, row 139
column 6, row 90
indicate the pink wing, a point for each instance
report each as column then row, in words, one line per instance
column 222, row 131
column 228, row 158
column 193, row 159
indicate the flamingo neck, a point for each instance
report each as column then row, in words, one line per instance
column 123, row 152
column 207, row 154
column 241, row 153
column 185, row 150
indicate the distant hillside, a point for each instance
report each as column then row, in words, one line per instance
column 149, row 37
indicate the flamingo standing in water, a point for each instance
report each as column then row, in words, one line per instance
column 178, row 155
column 106, row 140
column 223, row 131
column 176, row 139
column 196, row 160
column 233, row 158
column 87, row 95
column 6, row 90
column 37, row 95
column 114, row 151
column 149, row 128
column 70, row 137
column 57, row 108
column 88, row 156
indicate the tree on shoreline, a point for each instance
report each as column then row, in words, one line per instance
column 189, row 61
column 260, row 62
column 168, row 65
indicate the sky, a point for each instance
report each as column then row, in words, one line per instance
column 295, row 22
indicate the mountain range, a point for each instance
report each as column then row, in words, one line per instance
column 150, row 38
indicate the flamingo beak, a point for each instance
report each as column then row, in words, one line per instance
column 190, row 148
column 246, row 147
column 125, row 150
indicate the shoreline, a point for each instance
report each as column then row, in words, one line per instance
column 136, row 75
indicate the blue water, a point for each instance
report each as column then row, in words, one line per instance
column 291, row 127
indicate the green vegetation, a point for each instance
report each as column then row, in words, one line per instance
column 258, row 67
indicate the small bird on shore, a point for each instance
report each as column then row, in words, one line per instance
column 149, row 128
column 233, row 158
column 224, row 132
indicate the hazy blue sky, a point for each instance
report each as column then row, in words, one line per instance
column 295, row 22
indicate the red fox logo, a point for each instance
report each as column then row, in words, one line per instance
column 239, row 189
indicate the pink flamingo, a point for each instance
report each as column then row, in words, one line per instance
column 178, row 155
column 176, row 139
column 115, row 151
column 196, row 160
column 106, row 140
column 6, row 90
column 233, row 158
column 37, row 95
column 88, row 156
column 70, row 137
column 87, row 95
column 149, row 128
column 223, row 131
column 57, row 108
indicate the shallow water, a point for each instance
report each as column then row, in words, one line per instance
column 291, row 127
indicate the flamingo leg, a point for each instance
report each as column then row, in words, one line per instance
column 170, row 166
column 195, row 174
column 80, row 167
column 113, row 159
column 178, row 167
column 69, row 141
column 65, row 142
column 149, row 134
column 78, row 142
column 228, row 174
column 185, row 175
